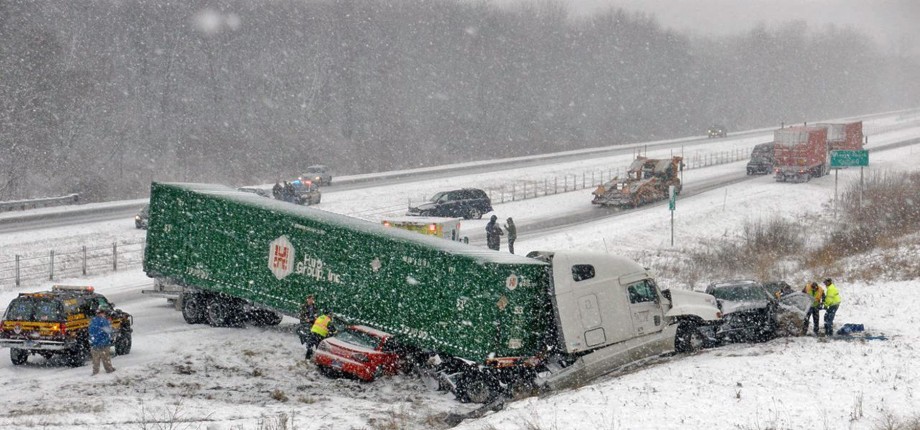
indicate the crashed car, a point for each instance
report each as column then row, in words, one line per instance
column 360, row 351
column 749, row 312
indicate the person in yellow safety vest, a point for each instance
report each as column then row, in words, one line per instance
column 321, row 329
column 831, row 303
column 817, row 294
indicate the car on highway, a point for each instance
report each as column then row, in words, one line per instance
column 749, row 311
column 142, row 218
column 361, row 352
column 468, row 203
column 306, row 192
column 318, row 174
column 717, row 131
column 56, row 323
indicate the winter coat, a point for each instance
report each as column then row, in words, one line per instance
column 512, row 230
column 816, row 293
column 833, row 296
column 493, row 235
column 307, row 314
column 100, row 332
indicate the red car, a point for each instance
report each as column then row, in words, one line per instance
column 360, row 351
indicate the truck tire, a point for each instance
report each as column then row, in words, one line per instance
column 123, row 344
column 475, row 387
column 688, row 338
column 263, row 317
column 192, row 309
column 76, row 356
column 19, row 356
column 218, row 312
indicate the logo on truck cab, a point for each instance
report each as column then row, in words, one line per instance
column 281, row 257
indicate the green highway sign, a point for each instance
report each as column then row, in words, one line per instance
column 849, row 158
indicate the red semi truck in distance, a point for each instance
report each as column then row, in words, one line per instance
column 803, row 152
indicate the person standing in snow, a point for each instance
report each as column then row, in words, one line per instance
column 817, row 295
column 493, row 234
column 276, row 191
column 100, row 341
column 288, row 192
column 831, row 303
column 512, row 234
column 322, row 328
column 307, row 318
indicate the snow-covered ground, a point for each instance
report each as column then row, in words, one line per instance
column 181, row 376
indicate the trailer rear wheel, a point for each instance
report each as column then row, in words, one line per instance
column 192, row 309
column 218, row 311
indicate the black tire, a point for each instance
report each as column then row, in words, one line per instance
column 123, row 344
column 19, row 356
column 475, row 213
column 688, row 338
column 77, row 356
column 192, row 309
column 327, row 371
column 218, row 312
column 263, row 317
column 474, row 387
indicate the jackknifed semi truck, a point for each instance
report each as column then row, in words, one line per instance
column 480, row 323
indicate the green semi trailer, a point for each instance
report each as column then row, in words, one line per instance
column 485, row 322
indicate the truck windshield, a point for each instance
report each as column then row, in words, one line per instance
column 33, row 309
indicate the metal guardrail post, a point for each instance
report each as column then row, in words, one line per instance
column 51, row 275
column 114, row 256
column 17, row 270
column 84, row 260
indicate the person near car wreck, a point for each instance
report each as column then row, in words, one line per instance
column 100, row 341
column 493, row 234
column 322, row 328
column 831, row 304
column 307, row 318
column 817, row 294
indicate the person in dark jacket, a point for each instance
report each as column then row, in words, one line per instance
column 288, row 192
column 493, row 234
column 276, row 191
column 307, row 318
column 512, row 234
column 100, row 341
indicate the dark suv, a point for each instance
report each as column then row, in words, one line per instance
column 468, row 203
column 56, row 323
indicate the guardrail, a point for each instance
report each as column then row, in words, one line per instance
column 76, row 261
column 44, row 202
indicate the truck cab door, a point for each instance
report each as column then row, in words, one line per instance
column 645, row 307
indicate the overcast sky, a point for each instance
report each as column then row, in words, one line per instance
column 894, row 23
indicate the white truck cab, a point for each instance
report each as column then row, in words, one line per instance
column 610, row 312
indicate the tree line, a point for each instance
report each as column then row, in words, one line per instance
column 100, row 98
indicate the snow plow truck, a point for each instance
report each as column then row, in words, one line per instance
column 647, row 180
column 482, row 324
